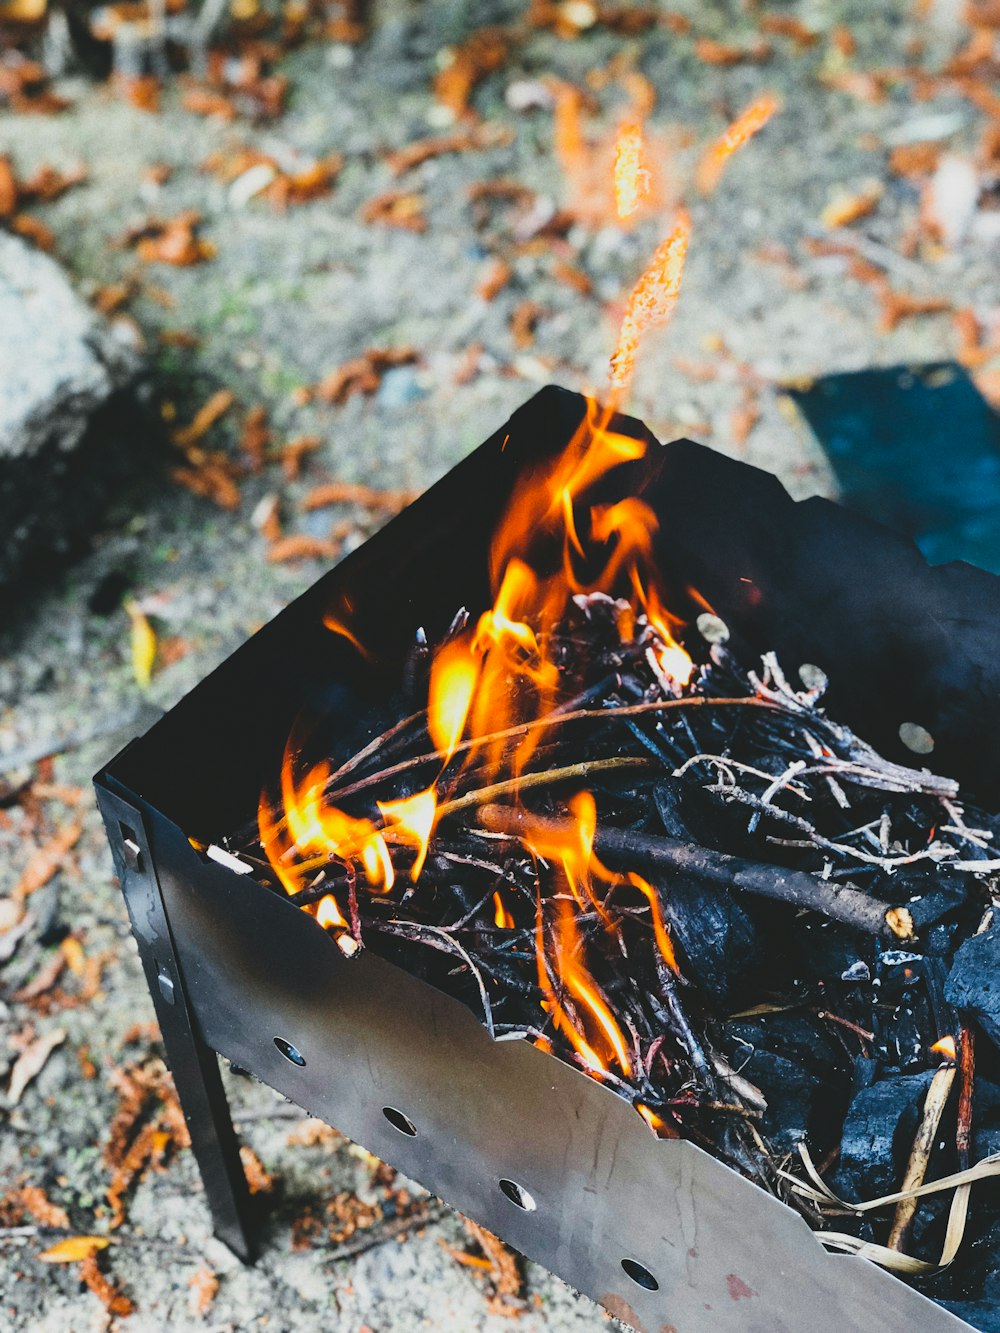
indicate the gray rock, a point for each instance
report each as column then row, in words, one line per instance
column 65, row 399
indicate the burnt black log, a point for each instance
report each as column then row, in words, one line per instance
column 878, row 1135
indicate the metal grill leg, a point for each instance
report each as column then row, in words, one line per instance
column 194, row 1065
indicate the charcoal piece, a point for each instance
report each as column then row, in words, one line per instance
column 818, row 952
column 690, row 814
column 973, row 984
column 795, row 1064
column 716, row 937
column 878, row 1135
column 983, row 1315
column 928, row 894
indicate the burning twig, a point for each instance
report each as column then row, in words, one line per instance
column 626, row 847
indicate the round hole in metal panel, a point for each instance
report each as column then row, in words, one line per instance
column 399, row 1121
column 518, row 1195
column 640, row 1275
column 290, row 1052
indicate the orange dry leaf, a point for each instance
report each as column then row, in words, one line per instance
column 295, row 451
column 363, row 374
column 204, row 1288
column 914, row 159
column 347, row 492
column 73, row 1249
column 46, row 860
column 30, row 1063
column 523, row 323
column 204, row 419
column 212, row 479
column 897, row 306
column 148, row 1121
column 298, row 187
column 572, row 276
column 403, row 209
column 865, row 85
column 259, row 1181
column 482, row 53
column 10, row 191
column 174, row 241
column 43, row 980
column 506, row 1292
column 140, row 90
column 112, row 297
column 726, row 53
column 36, row 1202
column 844, row 40
column 32, row 230
column 786, row 25
column 843, row 208
column 494, row 279
column 462, row 141
column 108, row 1293
column 300, row 546
column 24, row 86
column 256, row 437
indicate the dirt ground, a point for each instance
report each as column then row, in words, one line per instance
column 773, row 292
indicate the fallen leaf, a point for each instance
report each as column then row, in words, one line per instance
column 31, row 1062
column 464, row 141
column 403, row 209
column 108, row 1293
column 300, row 546
column 46, row 860
column 259, row 1180
column 44, row 979
column 47, row 1214
column 363, row 374
column 348, row 492
column 494, row 279
column 204, row 1287
column 73, row 1249
column 482, row 53
column 204, row 419
column 845, row 208
column 142, row 645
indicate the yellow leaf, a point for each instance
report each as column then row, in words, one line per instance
column 22, row 11
column 72, row 951
column 73, row 1249
column 143, row 645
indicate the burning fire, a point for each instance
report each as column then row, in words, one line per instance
column 493, row 683
column 631, row 178
column 945, row 1047
column 744, row 127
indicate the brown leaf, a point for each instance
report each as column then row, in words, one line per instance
column 523, row 322
column 293, row 453
column 204, row 419
column 786, row 25
column 256, row 437
column 403, row 209
column 300, row 546
column 204, row 1287
column 9, row 190
column 361, row 375
column 347, row 492
column 483, row 52
column 259, row 1180
column 34, row 1199
column 31, row 1062
column 494, row 279
column 46, row 860
column 727, row 53
column 44, row 979
column 31, row 229
column 108, row 1293
column 73, row 1249
column 462, row 141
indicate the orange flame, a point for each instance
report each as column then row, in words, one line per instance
column 631, row 179
column 329, row 914
column 660, row 1127
column 411, row 821
column 590, row 1027
column 945, row 1046
column 454, row 673
column 744, row 127
column 501, row 916
column 652, row 300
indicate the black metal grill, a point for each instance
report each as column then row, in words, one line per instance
column 661, row 1234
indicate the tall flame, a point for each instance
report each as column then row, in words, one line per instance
column 559, row 542
column 744, row 127
column 631, row 178
column 652, row 300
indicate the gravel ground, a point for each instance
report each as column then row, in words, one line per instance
column 288, row 297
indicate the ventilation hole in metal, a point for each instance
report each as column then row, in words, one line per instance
column 641, row 1276
column 399, row 1121
column 290, row 1052
column 518, row 1195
